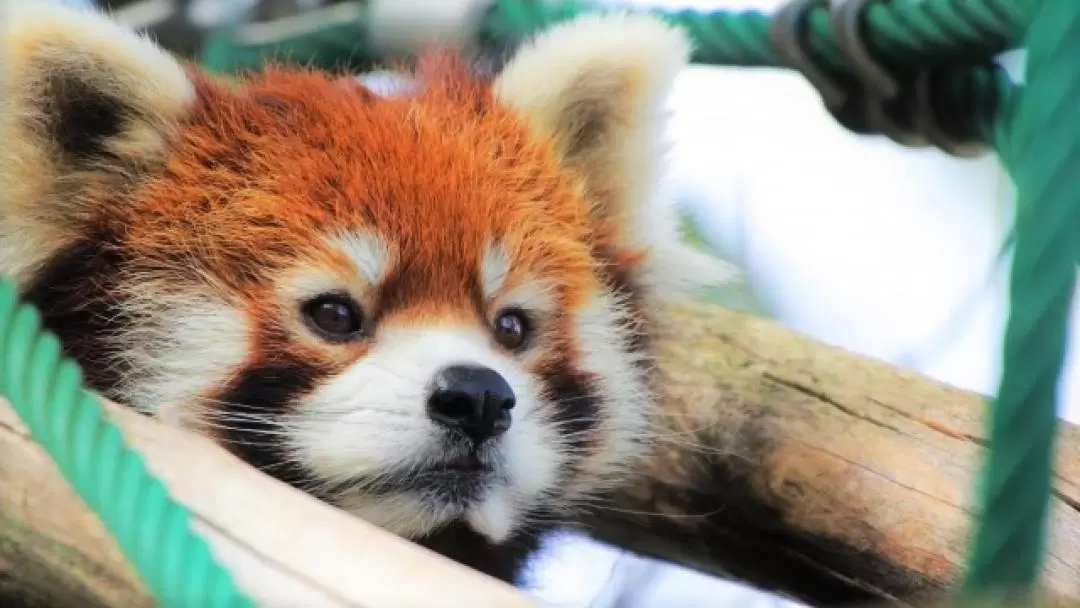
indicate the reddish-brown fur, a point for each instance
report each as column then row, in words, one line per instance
column 330, row 159
column 334, row 159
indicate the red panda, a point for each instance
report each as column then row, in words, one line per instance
column 432, row 309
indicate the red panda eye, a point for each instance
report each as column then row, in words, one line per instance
column 511, row 328
column 334, row 317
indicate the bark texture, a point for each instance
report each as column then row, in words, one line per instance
column 804, row 468
column 793, row 465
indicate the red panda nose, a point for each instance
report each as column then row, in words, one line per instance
column 471, row 399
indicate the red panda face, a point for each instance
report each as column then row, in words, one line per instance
column 411, row 321
column 431, row 310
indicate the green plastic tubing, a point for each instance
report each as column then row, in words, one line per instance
column 153, row 531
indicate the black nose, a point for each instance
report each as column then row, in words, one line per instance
column 476, row 400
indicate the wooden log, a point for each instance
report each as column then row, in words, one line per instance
column 283, row 547
column 828, row 476
column 783, row 462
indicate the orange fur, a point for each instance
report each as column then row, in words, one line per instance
column 330, row 159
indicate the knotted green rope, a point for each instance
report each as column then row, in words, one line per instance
column 154, row 532
column 906, row 33
column 1043, row 154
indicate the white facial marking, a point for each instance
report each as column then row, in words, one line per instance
column 493, row 270
column 179, row 347
column 534, row 296
column 626, row 399
column 402, row 514
column 369, row 253
column 372, row 418
column 304, row 284
column 494, row 518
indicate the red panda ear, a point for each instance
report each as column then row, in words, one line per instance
column 598, row 86
column 80, row 97
column 79, row 90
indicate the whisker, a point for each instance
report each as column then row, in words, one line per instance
column 241, row 409
column 394, row 373
column 243, row 429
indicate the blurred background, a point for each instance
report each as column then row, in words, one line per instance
column 884, row 250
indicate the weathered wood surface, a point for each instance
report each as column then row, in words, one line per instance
column 781, row 461
column 283, row 547
column 802, row 467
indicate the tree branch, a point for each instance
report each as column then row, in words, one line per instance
column 283, row 547
column 807, row 469
column 781, row 461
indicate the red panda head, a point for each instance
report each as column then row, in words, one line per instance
column 430, row 309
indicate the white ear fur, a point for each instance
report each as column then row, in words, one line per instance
column 46, row 50
column 80, row 96
column 598, row 85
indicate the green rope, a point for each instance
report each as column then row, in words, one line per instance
column 1029, row 127
column 905, row 33
column 914, row 33
column 335, row 46
column 69, row 422
column 1044, row 157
